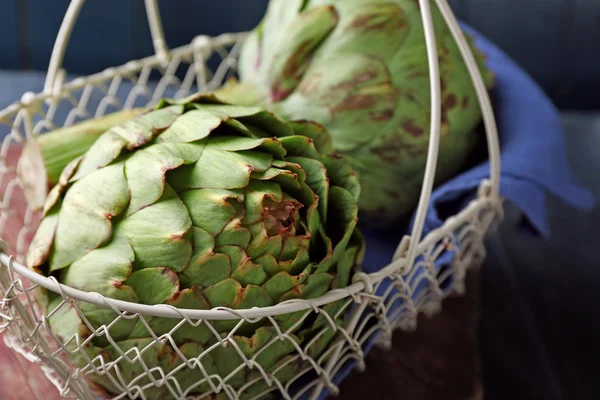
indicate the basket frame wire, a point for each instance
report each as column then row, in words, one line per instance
column 476, row 219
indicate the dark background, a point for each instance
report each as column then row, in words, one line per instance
column 557, row 41
column 539, row 328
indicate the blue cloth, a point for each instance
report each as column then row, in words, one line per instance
column 533, row 164
column 533, row 156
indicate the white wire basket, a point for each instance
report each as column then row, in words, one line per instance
column 374, row 304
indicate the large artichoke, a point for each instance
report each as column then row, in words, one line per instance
column 359, row 67
column 199, row 204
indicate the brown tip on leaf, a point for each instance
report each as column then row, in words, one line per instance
column 361, row 77
column 175, row 296
column 141, row 140
column 384, row 115
column 356, row 102
column 156, row 131
column 177, row 237
column 410, row 127
column 450, row 101
column 239, row 297
column 171, row 275
column 445, row 116
column 443, row 84
column 389, row 22
column 391, row 150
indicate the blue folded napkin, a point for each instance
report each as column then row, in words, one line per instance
column 533, row 156
column 534, row 164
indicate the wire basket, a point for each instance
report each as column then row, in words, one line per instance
column 374, row 304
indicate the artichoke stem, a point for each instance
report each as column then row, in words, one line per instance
column 43, row 158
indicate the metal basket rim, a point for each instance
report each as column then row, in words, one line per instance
column 362, row 282
column 199, row 43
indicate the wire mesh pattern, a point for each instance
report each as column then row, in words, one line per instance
column 310, row 342
column 371, row 312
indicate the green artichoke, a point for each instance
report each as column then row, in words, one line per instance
column 360, row 68
column 44, row 158
column 199, row 204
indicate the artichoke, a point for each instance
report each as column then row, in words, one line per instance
column 44, row 158
column 360, row 68
column 199, row 204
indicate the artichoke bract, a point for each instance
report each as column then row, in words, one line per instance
column 199, row 204
column 44, row 157
column 360, row 68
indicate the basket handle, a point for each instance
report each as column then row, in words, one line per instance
column 54, row 74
